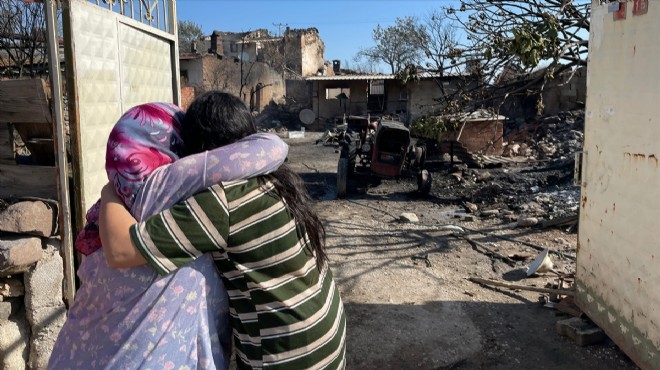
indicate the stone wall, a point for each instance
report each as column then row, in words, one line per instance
column 32, row 311
column 564, row 94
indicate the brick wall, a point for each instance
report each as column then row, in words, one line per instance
column 480, row 137
column 187, row 96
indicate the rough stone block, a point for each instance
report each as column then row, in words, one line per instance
column 14, row 343
column 10, row 307
column 30, row 217
column 44, row 334
column 43, row 283
column 581, row 331
column 18, row 253
column 45, row 309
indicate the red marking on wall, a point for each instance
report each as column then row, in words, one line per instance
column 640, row 7
column 621, row 13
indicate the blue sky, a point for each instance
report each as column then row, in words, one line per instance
column 344, row 26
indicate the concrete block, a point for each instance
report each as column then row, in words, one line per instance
column 45, row 334
column 18, row 253
column 30, row 217
column 14, row 343
column 44, row 307
column 43, row 283
column 583, row 332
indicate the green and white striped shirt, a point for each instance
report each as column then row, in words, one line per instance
column 286, row 313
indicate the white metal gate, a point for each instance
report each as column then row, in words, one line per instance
column 118, row 54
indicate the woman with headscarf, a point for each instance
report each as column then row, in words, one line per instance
column 132, row 318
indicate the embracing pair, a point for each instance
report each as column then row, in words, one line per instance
column 201, row 235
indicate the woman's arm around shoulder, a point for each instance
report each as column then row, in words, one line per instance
column 114, row 224
column 254, row 155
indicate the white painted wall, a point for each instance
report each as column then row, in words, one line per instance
column 618, row 267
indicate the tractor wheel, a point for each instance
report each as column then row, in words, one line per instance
column 424, row 182
column 342, row 177
column 420, row 156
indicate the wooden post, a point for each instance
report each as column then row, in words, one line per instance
column 62, row 166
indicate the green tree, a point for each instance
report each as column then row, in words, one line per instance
column 514, row 37
column 397, row 45
column 189, row 31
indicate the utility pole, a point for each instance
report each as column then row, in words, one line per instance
column 279, row 28
column 279, row 34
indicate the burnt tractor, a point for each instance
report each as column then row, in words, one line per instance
column 380, row 148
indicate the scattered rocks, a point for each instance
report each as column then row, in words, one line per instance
column 490, row 212
column 408, row 217
column 484, row 176
column 528, row 222
column 550, row 137
column 471, row 207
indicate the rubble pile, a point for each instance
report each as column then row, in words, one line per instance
column 536, row 184
column 279, row 118
column 549, row 137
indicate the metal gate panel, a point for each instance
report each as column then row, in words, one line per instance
column 95, row 45
column 113, row 63
column 146, row 70
column 618, row 264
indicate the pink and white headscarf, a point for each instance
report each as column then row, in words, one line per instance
column 144, row 138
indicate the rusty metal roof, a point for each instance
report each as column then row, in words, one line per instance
column 356, row 77
column 351, row 77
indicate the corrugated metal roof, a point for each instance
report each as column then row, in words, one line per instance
column 421, row 75
column 351, row 77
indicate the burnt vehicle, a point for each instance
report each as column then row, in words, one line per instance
column 380, row 148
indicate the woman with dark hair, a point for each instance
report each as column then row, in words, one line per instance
column 265, row 239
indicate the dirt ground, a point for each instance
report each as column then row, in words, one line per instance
column 405, row 287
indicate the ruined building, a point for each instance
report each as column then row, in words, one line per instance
column 253, row 65
column 299, row 52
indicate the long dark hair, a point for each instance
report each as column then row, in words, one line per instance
column 216, row 119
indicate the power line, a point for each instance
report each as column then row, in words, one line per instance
column 279, row 28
